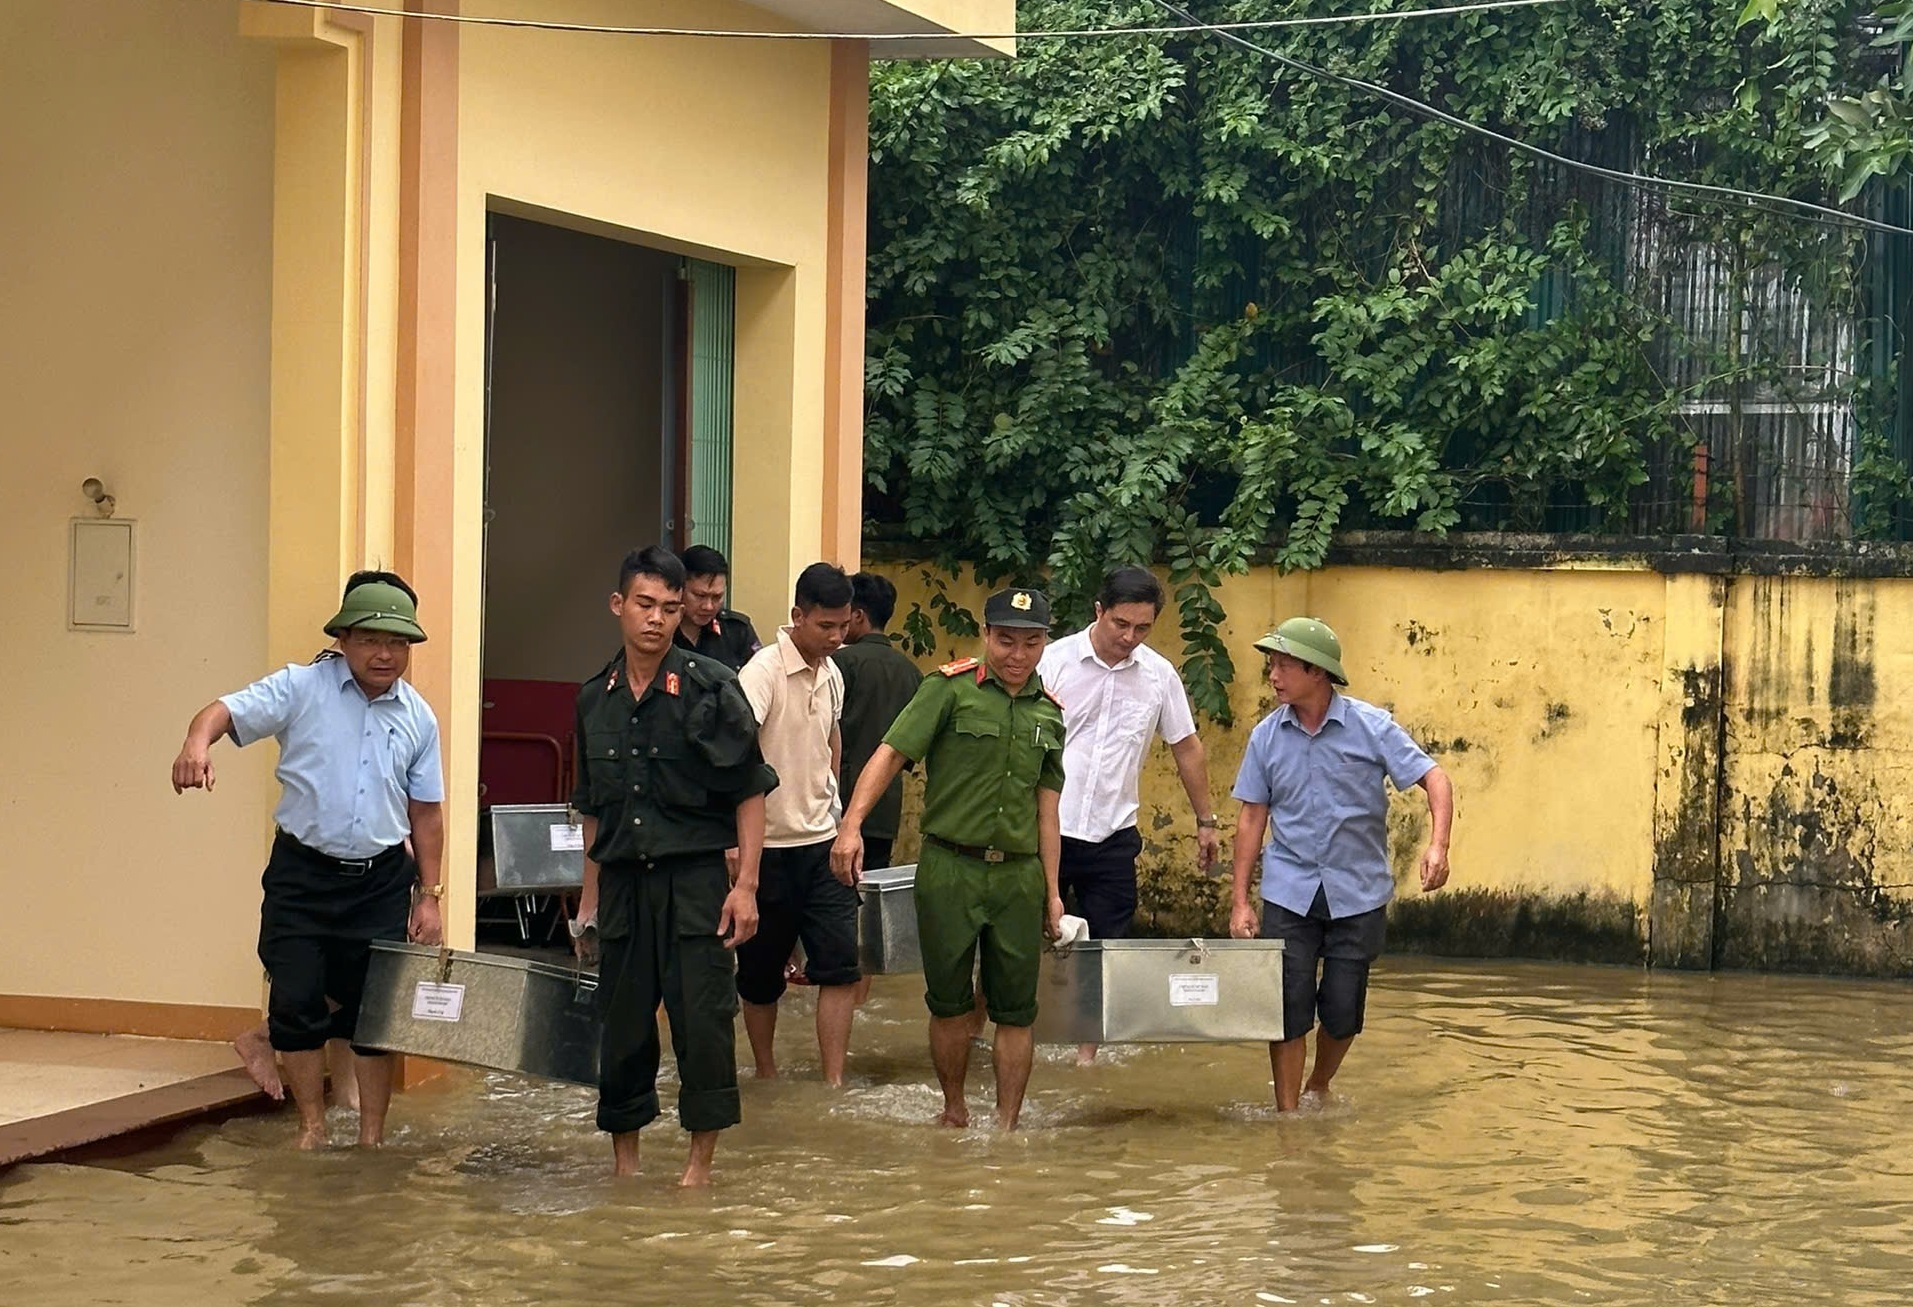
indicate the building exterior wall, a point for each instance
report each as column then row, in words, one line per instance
column 244, row 256
column 1650, row 764
column 136, row 255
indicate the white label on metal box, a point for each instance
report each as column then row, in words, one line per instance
column 567, row 839
column 437, row 1002
column 1195, row 989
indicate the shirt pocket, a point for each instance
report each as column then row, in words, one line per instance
column 1133, row 720
column 604, row 766
column 680, row 779
column 979, row 725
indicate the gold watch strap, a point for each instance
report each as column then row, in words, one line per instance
column 432, row 891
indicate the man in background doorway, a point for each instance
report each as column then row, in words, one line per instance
column 797, row 695
column 878, row 681
column 1118, row 694
column 706, row 626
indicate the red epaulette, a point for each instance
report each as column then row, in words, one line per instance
column 612, row 683
column 1051, row 696
column 959, row 667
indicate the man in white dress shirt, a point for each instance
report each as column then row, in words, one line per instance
column 1117, row 694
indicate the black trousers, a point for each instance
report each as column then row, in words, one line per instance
column 877, row 851
column 316, row 927
column 658, row 927
column 1098, row 881
column 798, row 898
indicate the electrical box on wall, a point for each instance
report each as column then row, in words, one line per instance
column 100, row 575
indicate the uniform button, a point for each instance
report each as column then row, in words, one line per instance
column 634, row 721
column 610, row 753
column 637, row 821
column 654, row 751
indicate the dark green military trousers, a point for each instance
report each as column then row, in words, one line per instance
column 658, row 925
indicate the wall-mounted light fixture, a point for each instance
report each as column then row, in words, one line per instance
column 95, row 489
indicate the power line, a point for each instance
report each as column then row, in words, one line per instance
column 1755, row 199
column 1084, row 33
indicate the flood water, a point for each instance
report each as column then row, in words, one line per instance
column 1501, row 1134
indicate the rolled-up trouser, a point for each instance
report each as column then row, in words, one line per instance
column 317, row 922
column 657, row 923
column 1345, row 947
column 965, row 904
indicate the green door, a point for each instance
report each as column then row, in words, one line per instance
column 712, row 360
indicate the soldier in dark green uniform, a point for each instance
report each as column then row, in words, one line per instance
column 669, row 777
column 706, row 626
column 991, row 743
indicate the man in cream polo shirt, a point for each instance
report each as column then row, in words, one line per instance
column 797, row 694
column 1117, row 695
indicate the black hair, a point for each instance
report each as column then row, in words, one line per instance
column 1130, row 585
column 392, row 579
column 876, row 596
column 653, row 560
column 823, row 585
column 701, row 561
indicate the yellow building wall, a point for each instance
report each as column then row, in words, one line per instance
column 136, row 177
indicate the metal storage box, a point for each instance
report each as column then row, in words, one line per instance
column 482, row 1009
column 1161, row 991
column 537, row 848
column 887, row 921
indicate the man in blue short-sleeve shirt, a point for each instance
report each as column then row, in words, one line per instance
column 359, row 775
column 1312, row 783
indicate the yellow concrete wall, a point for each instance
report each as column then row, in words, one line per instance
column 1537, row 691
column 1816, row 829
column 135, row 274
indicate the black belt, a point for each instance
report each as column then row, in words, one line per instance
column 980, row 852
column 344, row 866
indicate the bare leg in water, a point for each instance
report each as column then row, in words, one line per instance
column 1015, row 1051
column 305, row 1076
column 950, row 1052
column 1288, row 1058
column 341, row 1073
column 375, row 1096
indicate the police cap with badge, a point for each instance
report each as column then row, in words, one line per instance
column 1026, row 609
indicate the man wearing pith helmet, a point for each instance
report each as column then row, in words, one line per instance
column 359, row 775
column 990, row 739
column 1312, row 782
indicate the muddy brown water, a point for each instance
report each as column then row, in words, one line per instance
column 1501, row 1134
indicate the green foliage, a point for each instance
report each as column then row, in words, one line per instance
column 1164, row 300
column 1866, row 135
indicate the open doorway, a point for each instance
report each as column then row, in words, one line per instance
column 608, row 427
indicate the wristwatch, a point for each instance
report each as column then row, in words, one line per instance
column 432, row 891
column 1206, row 823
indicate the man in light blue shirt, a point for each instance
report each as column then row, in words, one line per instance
column 359, row 774
column 1312, row 782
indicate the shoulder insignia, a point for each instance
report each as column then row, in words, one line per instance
column 981, row 672
column 671, row 684
column 611, row 682
column 1051, row 696
column 958, row 667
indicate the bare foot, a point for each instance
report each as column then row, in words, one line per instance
column 697, row 1170
column 312, row 1138
column 957, row 1117
column 256, row 1055
column 765, row 1072
column 1006, row 1122
column 1086, row 1055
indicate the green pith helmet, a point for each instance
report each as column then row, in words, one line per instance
column 1309, row 640
column 376, row 606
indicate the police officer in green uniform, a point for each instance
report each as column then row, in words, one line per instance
column 706, row 626
column 669, row 777
column 991, row 743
